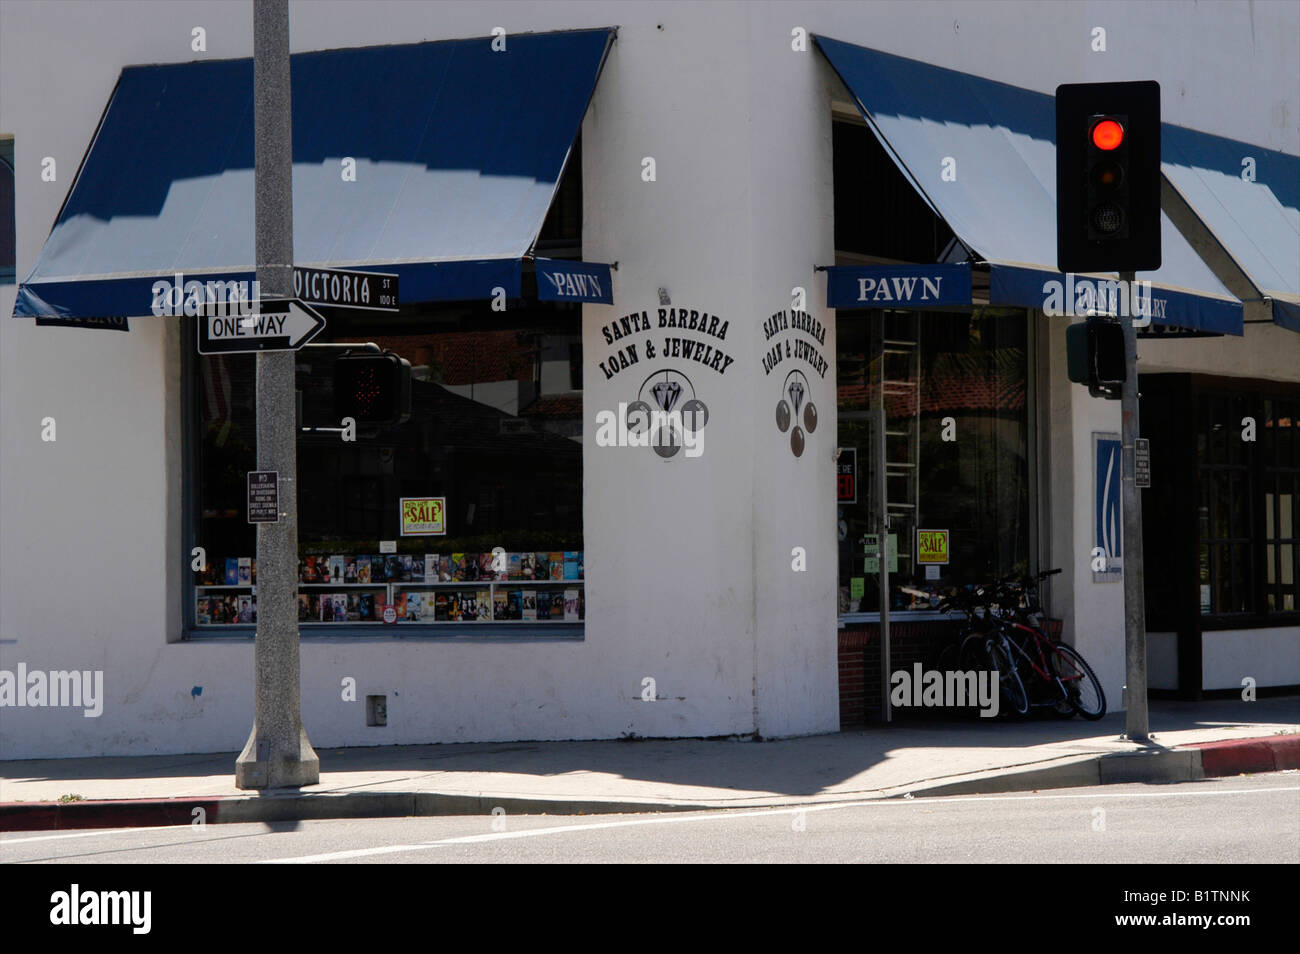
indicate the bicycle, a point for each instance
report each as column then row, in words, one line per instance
column 977, row 648
column 1061, row 677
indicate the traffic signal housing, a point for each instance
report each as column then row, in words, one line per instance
column 1108, row 177
column 373, row 388
column 1094, row 351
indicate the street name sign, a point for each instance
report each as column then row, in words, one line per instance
column 279, row 324
column 340, row 288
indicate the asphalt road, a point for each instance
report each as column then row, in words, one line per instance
column 1246, row 819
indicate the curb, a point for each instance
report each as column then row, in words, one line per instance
column 160, row 812
column 1273, row 753
column 1192, row 762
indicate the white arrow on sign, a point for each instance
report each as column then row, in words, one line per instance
column 281, row 324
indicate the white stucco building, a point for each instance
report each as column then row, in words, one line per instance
column 724, row 159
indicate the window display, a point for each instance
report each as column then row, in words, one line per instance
column 954, row 388
column 495, row 433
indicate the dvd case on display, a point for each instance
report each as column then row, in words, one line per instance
column 393, row 568
column 245, row 571
column 363, row 568
column 366, row 606
column 414, row 606
column 557, row 604
column 557, row 565
column 525, row 566
column 254, row 571
column 543, row 606
column 399, row 605
column 541, row 566
column 514, row 604
column 340, row 601
column 485, row 571
column 417, row 568
column 570, row 564
column 336, row 568
column 203, row 610
column 499, row 605
column 350, row 568
column 514, row 567
column 529, row 605
column 483, row 604
column 354, row 607
column 310, row 572
column 570, row 606
column 431, row 568
column 407, row 565
column 246, row 614
column 440, row 606
column 232, row 571
column 304, row 607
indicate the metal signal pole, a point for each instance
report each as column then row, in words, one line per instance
column 277, row 753
column 1135, row 627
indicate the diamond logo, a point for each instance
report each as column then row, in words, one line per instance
column 666, row 394
column 796, row 395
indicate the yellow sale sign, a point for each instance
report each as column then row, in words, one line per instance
column 932, row 546
column 424, row 516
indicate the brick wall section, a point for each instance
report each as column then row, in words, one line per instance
column 909, row 642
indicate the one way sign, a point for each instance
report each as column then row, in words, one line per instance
column 277, row 324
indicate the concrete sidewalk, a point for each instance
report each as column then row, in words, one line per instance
column 906, row 758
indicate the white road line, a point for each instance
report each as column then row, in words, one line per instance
column 87, row 834
column 683, row 818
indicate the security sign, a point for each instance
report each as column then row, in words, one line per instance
column 932, row 546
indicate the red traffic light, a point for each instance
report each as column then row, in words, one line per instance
column 1107, row 135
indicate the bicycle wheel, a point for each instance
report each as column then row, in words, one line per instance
column 1013, row 690
column 971, row 653
column 1079, row 682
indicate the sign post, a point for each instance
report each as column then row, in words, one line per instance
column 277, row 753
column 1135, row 623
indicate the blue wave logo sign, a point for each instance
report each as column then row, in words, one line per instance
column 1108, row 515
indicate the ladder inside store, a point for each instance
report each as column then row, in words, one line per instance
column 900, row 392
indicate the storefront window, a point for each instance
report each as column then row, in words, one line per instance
column 1281, row 447
column 495, row 432
column 954, row 388
column 8, row 241
column 1249, row 481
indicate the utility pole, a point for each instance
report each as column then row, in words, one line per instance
column 1135, row 625
column 277, row 753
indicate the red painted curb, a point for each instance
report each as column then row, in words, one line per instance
column 106, row 813
column 1235, row 756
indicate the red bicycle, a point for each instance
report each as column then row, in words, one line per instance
column 1052, row 673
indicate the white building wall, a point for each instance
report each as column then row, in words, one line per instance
column 1269, row 656
column 689, row 563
